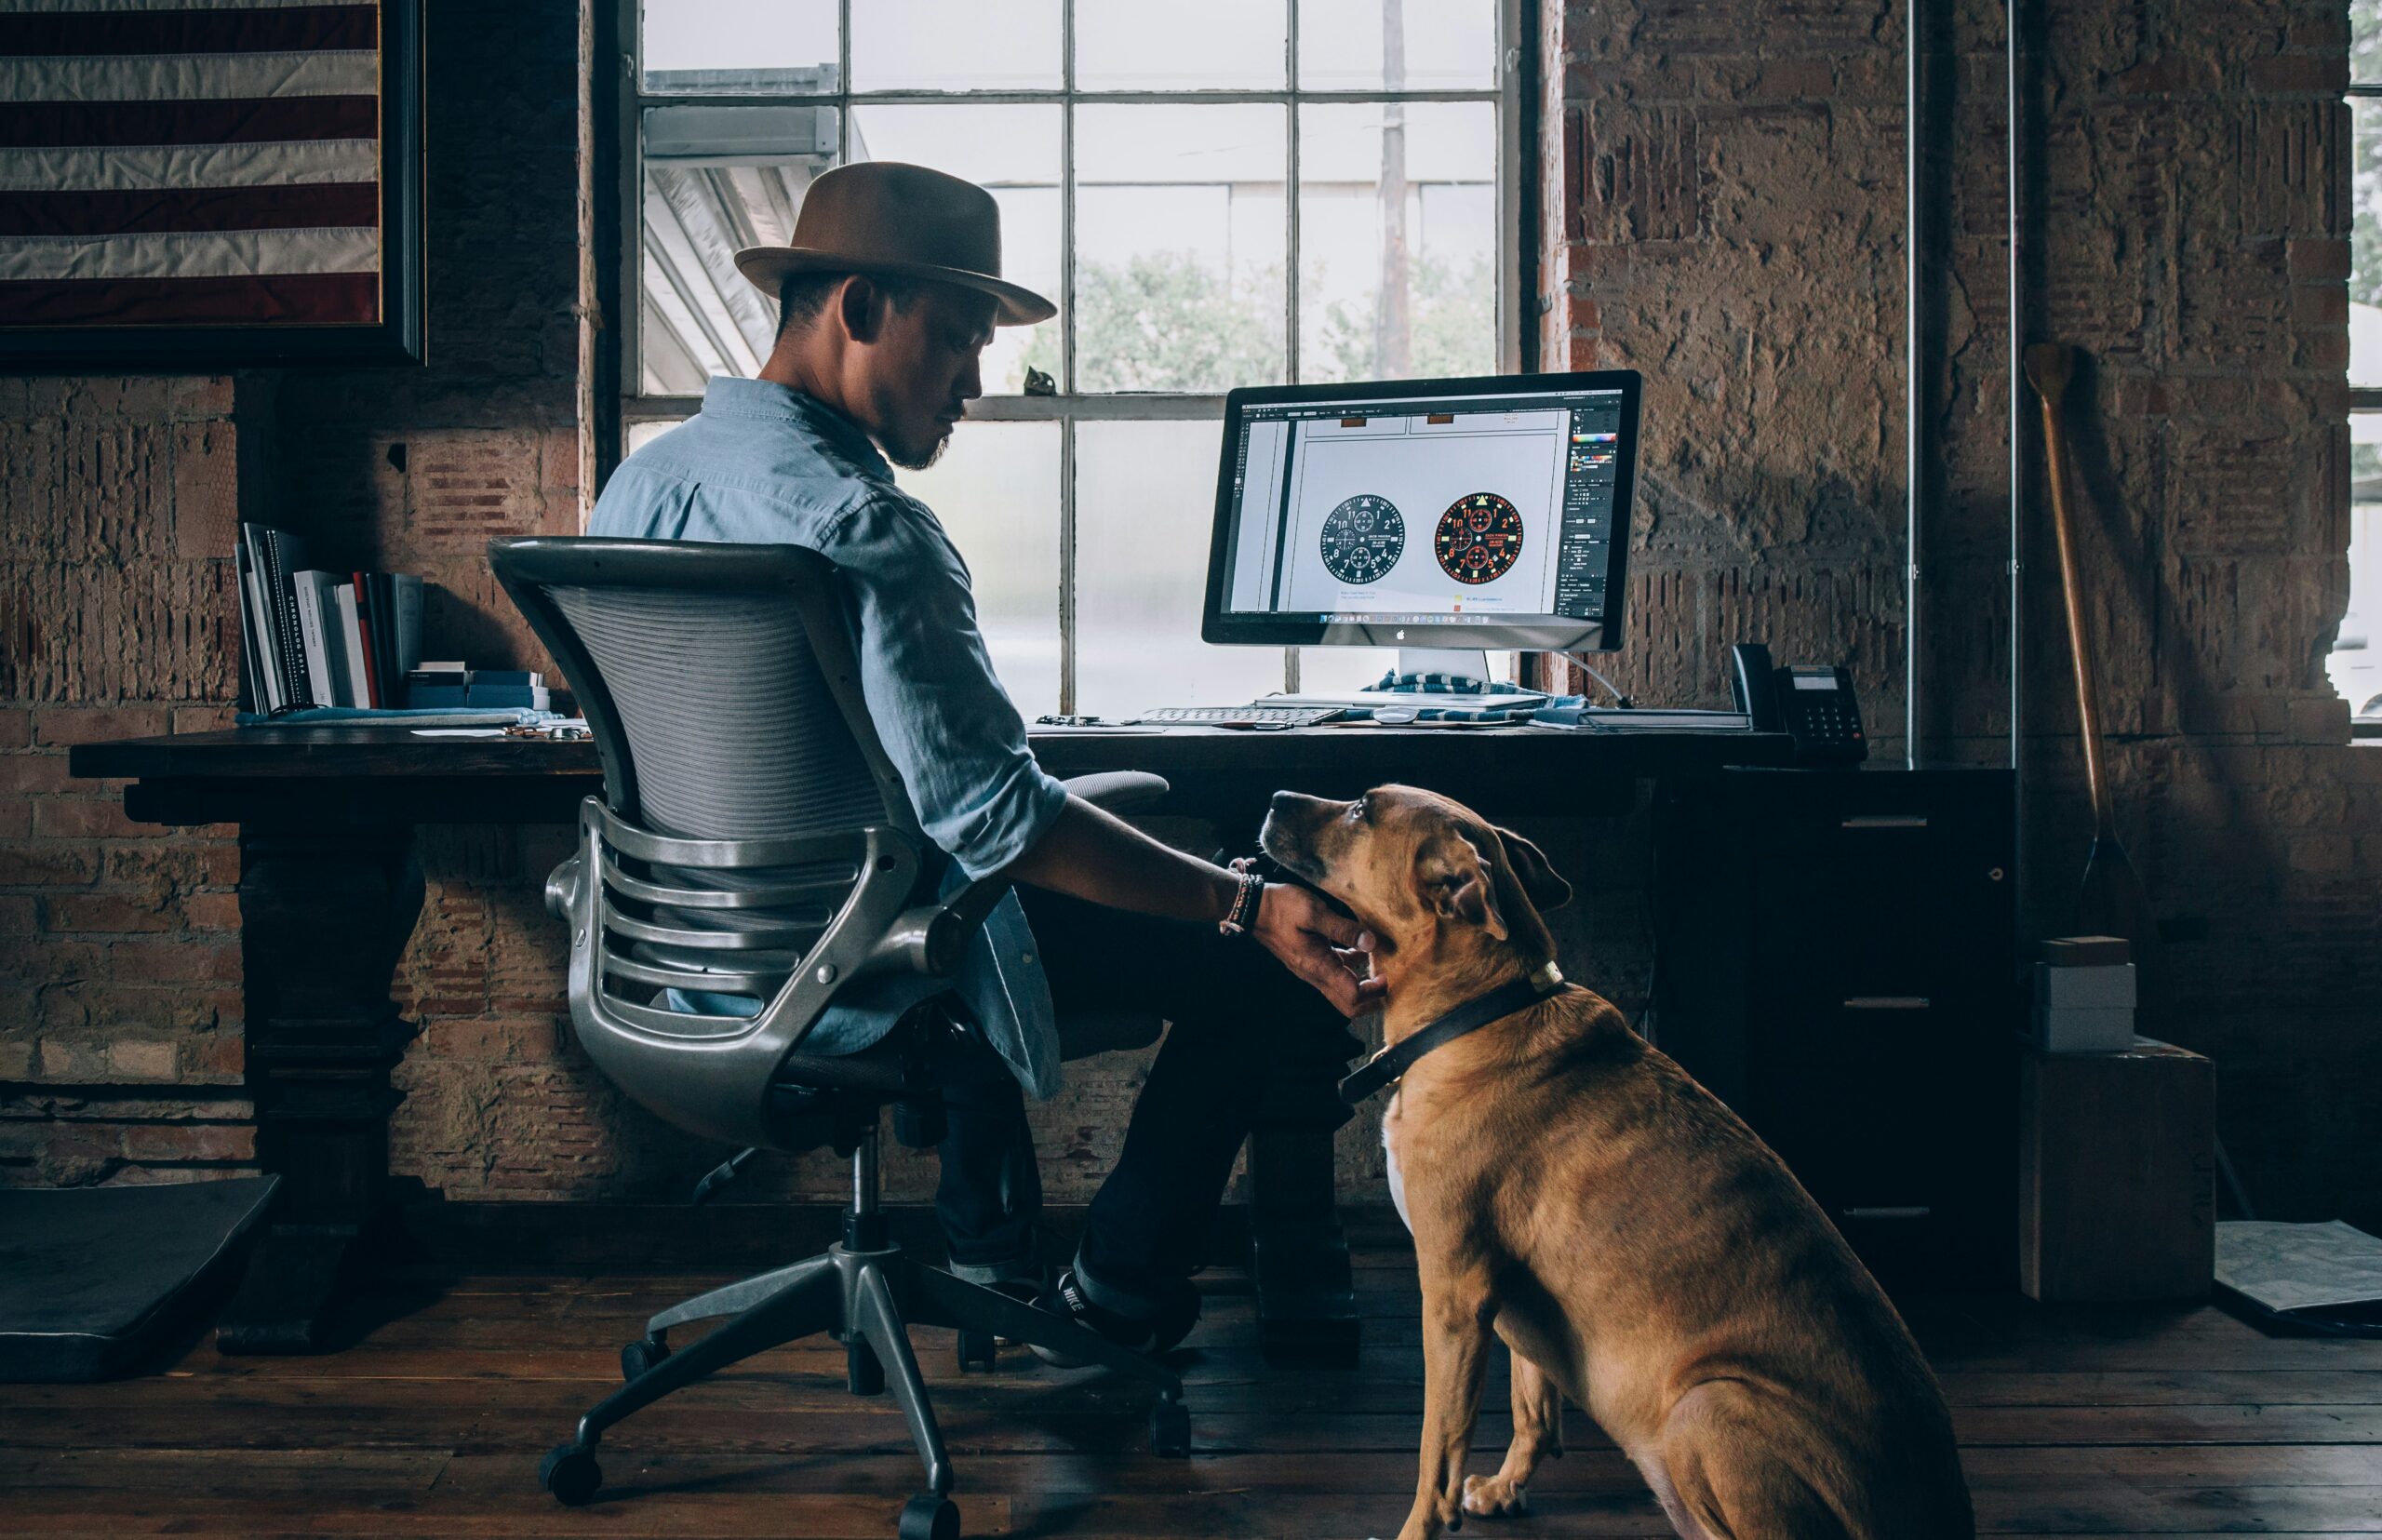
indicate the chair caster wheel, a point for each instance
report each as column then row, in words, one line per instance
column 977, row 1352
column 642, row 1357
column 1169, row 1430
column 571, row 1474
column 928, row 1516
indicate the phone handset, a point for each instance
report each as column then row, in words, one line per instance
column 1755, row 686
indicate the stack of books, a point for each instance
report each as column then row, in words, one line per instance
column 455, row 688
column 2084, row 995
column 309, row 637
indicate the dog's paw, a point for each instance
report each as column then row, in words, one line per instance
column 1493, row 1497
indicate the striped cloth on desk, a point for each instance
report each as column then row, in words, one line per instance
column 179, row 162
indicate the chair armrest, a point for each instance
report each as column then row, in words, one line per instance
column 562, row 887
column 1119, row 791
column 931, row 938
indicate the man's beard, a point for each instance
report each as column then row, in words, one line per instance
column 915, row 460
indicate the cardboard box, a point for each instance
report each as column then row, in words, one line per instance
column 2117, row 1186
column 2092, row 988
column 2075, row 1029
column 2086, row 951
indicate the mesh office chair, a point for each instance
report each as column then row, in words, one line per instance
column 754, row 841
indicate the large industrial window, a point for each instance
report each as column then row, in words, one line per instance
column 1243, row 191
column 2356, row 660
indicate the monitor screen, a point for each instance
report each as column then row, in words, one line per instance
column 1485, row 513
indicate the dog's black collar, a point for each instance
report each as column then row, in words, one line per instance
column 1386, row 1067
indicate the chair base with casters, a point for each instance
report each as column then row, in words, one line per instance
column 864, row 1293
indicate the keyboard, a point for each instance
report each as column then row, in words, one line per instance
column 1239, row 716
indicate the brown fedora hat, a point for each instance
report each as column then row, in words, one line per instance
column 881, row 216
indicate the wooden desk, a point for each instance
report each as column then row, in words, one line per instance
column 329, row 891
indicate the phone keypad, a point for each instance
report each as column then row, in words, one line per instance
column 1826, row 721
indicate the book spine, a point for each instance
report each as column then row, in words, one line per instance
column 251, row 681
column 512, row 697
column 317, row 645
column 364, row 632
column 322, row 597
column 253, row 589
column 351, row 636
column 384, row 644
column 279, row 551
column 405, row 636
column 351, row 649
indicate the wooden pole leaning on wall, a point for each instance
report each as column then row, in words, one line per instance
column 2113, row 901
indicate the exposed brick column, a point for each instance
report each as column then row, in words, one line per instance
column 121, row 1055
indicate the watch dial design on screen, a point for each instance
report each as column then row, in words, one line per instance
column 1479, row 539
column 1362, row 539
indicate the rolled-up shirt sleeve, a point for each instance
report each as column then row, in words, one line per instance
column 940, row 713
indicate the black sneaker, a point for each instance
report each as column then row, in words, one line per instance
column 1026, row 1282
column 1144, row 1334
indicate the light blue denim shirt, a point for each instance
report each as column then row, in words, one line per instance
column 766, row 465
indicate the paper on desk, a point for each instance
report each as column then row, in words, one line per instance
column 459, row 732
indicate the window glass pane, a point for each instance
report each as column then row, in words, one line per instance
column 2365, row 42
column 1179, row 243
column 1134, row 46
column 1145, row 511
column 717, row 180
column 1014, row 153
column 1397, row 45
column 642, row 434
column 693, row 46
column 955, row 45
column 2355, row 665
column 997, row 491
column 1337, row 670
column 1398, row 199
column 2365, row 246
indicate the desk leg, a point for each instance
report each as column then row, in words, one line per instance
column 1306, row 1301
column 324, row 916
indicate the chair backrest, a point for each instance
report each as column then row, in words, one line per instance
column 755, row 841
column 718, row 680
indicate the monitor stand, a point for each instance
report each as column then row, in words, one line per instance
column 1456, row 662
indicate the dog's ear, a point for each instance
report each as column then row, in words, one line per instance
column 1546, row 888
column 1455, row 884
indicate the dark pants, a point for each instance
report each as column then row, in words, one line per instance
column 1249, row 1043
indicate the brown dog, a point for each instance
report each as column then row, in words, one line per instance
column 1635, row 1245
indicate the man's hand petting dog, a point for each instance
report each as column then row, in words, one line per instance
column 1319, row 943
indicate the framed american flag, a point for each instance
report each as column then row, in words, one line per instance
column 206, row 184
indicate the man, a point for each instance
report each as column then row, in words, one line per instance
column 887, row 295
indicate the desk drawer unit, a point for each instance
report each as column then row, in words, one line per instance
column 1836, row 959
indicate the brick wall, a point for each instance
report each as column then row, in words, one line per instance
column 120, row 1053
column 1726, row 187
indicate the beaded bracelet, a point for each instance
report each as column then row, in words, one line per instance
column 1243, row 913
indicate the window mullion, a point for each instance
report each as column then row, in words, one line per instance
column 1066, row 566
column 843, row 82
column 1291, row 201
column 1066, row 356
column 1291, row 243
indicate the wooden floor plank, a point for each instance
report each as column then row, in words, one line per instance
column 2176, row 1423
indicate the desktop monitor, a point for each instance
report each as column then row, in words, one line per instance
column 1465, row 515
